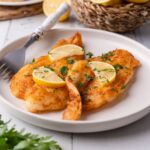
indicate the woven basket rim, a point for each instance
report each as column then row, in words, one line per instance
column 122, row 5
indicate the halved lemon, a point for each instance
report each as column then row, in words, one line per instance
column 50, row 6
column 65, row 51
column 138, row 1
column 104, row 72
column 45, row 76
column 107, row 2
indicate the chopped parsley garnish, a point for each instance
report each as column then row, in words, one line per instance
column 95, row 87
column 34, row 68
column 118, row 67
column 27, row 75
column 88, row 77
column 70, row 61
column 33, row 60
column 89, row 54
column 48, row 67
column 123, row 87
column 95, row 69
column 106, row 57
column 114, row 90
column 64, row 70
column 107, row 69
column 80, row 84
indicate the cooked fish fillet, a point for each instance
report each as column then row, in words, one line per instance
column 41, row 98
column 74, row 106
column 78, row 77
column 94, row 96
column 22, row 81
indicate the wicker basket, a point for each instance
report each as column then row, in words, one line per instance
column 120, row 18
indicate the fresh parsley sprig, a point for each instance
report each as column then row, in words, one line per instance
column 11, row 139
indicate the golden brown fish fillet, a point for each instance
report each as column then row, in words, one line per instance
column 22, row 81
column 74, row 106
column 94, row 96
column 77, row 79
column 41, row 98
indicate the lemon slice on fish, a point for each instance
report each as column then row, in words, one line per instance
column 46, row 76
column 104, row 72
column 50, row 6
column 65, row 51
column 107, row 2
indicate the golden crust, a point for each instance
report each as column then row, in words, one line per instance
column 74, row 106
column 42, row 98
column 77, row 74
column 94, row 96
column 22, row 81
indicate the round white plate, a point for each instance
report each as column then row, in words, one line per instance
column 21, row 3
column 133, row 106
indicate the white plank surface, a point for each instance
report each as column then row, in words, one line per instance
column 132, row 137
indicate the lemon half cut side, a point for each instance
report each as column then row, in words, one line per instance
column 104, row 72
column 46, row 76
column 50, row 6
column 65, row 51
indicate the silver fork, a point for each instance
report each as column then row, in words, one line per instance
column 8, row 63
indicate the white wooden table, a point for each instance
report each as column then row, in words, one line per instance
column 132, row 137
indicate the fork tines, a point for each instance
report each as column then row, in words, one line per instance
column 5, row 72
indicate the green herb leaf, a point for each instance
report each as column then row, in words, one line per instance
column 89, row 54
column 80, row 84
column 64, row 70
column 118, row 67
column 48, row 67
column 27, row 75
column 33, row 60
column 106, row 57
column 11, row 139
column 70, row 61
column 114, row 90
column 88, row 77
column 123, row 87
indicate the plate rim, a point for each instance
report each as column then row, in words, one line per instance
column 80, row 121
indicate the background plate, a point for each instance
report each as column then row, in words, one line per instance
column 133, row 105
column 21, row 3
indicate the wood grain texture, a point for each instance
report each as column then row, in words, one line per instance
column 7, row 12
column 132, row 137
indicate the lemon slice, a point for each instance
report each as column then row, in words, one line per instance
column 45, row 76
column 50, row 6
column 138, row 1
column 107, row 2
column 104, row 72
column 65, row 51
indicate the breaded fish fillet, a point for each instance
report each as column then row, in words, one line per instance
column 41, row 98
column 78, row 77
column 125, row 64
column 93, row 95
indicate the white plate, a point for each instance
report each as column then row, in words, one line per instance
column 134, row 105
column 21, row 3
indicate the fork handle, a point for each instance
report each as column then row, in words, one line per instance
column 51, row 20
